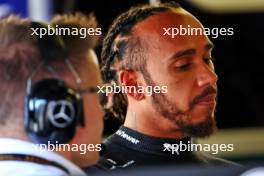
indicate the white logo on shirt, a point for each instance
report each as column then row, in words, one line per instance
column 123, row 134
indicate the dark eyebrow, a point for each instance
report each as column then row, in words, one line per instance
column 182, row 53
column 209, row 46
column 191, row 51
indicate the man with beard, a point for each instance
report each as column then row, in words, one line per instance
column 140, row 49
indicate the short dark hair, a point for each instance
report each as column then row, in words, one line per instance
column 115, row 51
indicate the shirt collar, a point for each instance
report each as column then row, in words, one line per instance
column 133, row 139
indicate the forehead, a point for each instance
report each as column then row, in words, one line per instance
column 153, row 31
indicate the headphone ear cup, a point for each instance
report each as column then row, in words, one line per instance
column 35, row 118
column 52, row 112
column 42, row 120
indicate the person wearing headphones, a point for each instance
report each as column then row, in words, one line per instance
column 50, row 116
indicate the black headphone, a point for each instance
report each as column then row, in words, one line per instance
column 52, row 109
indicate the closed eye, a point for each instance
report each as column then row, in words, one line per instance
column 209, row 60
column 183, row 67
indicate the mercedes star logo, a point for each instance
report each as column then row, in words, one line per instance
column 60, row 113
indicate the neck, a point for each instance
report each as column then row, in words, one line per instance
column 151, row 123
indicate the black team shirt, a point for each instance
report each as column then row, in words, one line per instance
column 129, row 149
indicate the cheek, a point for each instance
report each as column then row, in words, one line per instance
column 180, row 90
column 89, row 74
column 93, row 119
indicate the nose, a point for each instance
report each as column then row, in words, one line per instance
column 206, row 76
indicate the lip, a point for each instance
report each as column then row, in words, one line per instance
column 209, row 100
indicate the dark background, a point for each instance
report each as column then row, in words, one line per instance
column 239, row 58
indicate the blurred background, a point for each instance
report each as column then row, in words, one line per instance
column 239, row 60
